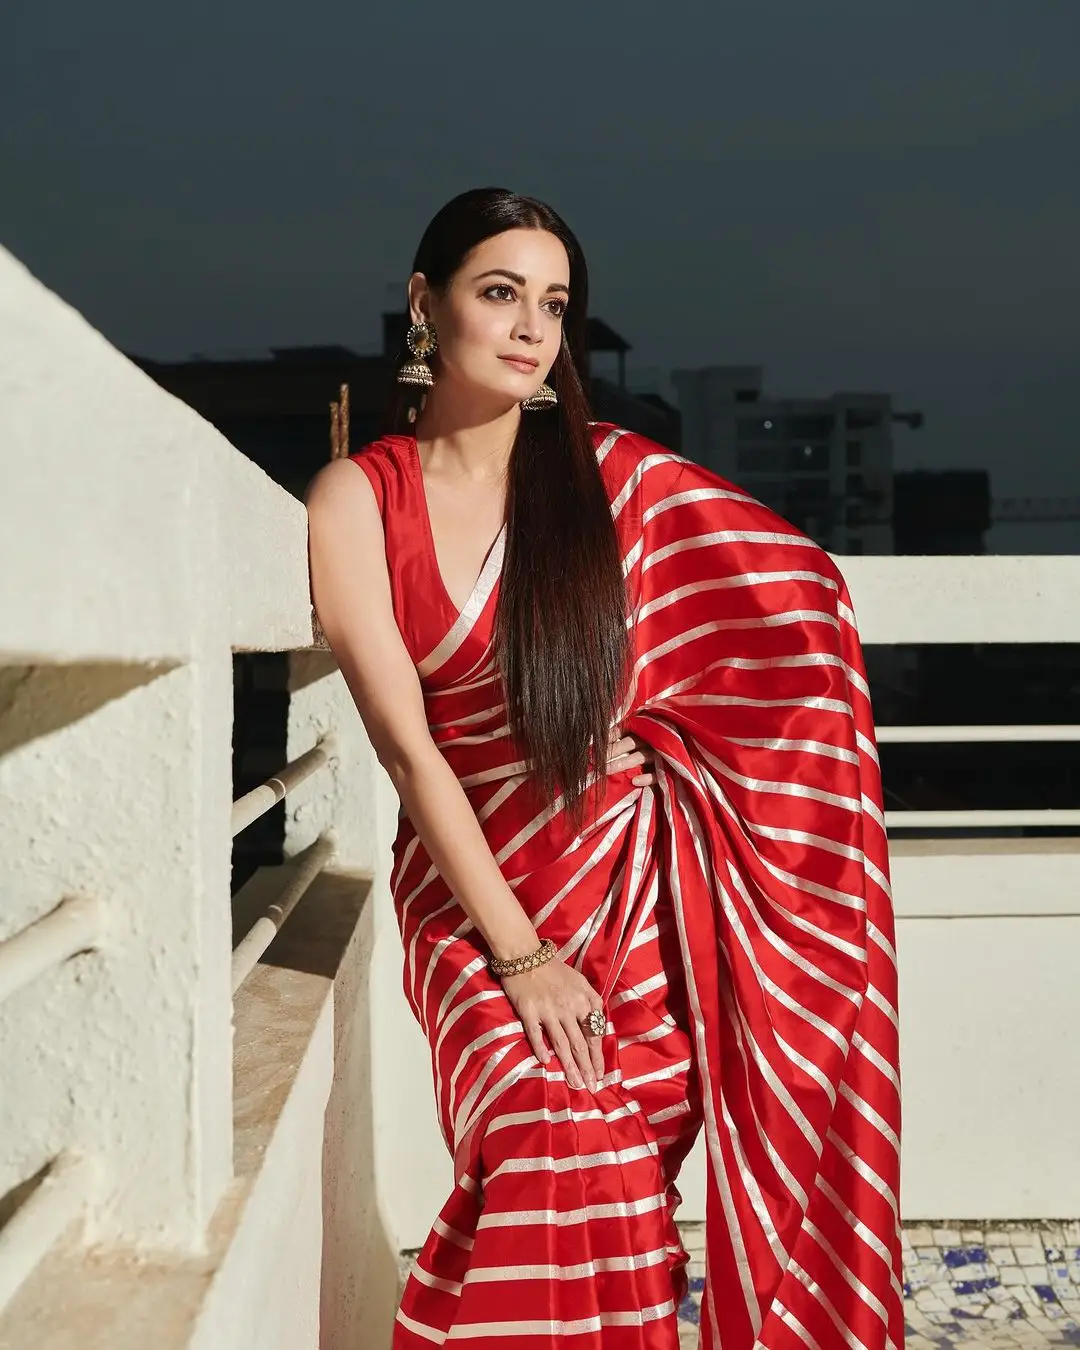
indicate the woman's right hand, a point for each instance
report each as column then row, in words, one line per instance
column 552, row 1001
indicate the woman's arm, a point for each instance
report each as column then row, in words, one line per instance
column 351, row 591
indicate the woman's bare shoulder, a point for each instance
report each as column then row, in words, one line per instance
column 339, row 482
column 338, row 487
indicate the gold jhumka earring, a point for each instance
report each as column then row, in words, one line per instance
column 423, row 343
column 545, row 397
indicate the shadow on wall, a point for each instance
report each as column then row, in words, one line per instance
column 39, row 699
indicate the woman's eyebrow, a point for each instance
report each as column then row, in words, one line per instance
column 519, row 279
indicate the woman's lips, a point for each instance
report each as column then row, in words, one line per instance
column 520, row 363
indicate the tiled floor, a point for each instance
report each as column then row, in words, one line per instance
column 1001, row 1287
column 995, row 1287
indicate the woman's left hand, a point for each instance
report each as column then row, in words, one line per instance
column 627, row 752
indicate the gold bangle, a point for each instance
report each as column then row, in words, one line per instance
column 518, row 965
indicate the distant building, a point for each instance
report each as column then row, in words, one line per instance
column 650, row 414
column 825, row 464
column 275, row 406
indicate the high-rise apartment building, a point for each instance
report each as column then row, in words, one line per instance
column 825, row 464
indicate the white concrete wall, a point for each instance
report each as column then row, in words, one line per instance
column 119, row 1051
column 259, row 1281
column 138, row 549
column 358, row 804
column 133, row 556
column 265, row 1286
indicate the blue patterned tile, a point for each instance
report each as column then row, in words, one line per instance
column 690, row 1311
column 976, row 1286
column 964, row 1256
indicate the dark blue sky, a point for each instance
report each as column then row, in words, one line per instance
column 855, row 193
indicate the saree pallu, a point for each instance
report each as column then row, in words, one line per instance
column 735, row 917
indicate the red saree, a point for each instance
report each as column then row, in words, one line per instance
column 735, row 917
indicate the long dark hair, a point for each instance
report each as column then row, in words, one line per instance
column 560, row 626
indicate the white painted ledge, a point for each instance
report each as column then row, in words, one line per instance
column 965, row 599
column 985, row 878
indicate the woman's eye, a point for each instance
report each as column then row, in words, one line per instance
column 558, row 308
column 500, row 292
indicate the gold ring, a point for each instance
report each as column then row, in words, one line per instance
column 596, row 1022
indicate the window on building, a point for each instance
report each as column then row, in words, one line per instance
column 808, row 456
column 853, row 514
column 860, row 419
column 760, row 458
column 854, row 543
column 758, row 428
column 720, row 428
column 809, row 495
column 817, row 427
column 854, row 453
column 854, row 485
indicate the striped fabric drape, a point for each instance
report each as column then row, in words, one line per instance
column 736, row 918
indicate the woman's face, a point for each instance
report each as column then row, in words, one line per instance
column 500, row 320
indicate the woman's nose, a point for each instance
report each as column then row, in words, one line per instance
column 527, row 329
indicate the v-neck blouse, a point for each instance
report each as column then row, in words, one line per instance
column 424, row 610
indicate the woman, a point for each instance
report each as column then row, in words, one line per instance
column 641, row 873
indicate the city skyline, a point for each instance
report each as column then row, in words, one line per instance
column 852, row 200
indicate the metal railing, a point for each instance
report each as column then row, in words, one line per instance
column 979, row 819
column 259, row 936
column 75, row 925
column 940, row 734
column 305, row 867
column 79, row 924
column 57, row 1201
column 248, row 808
